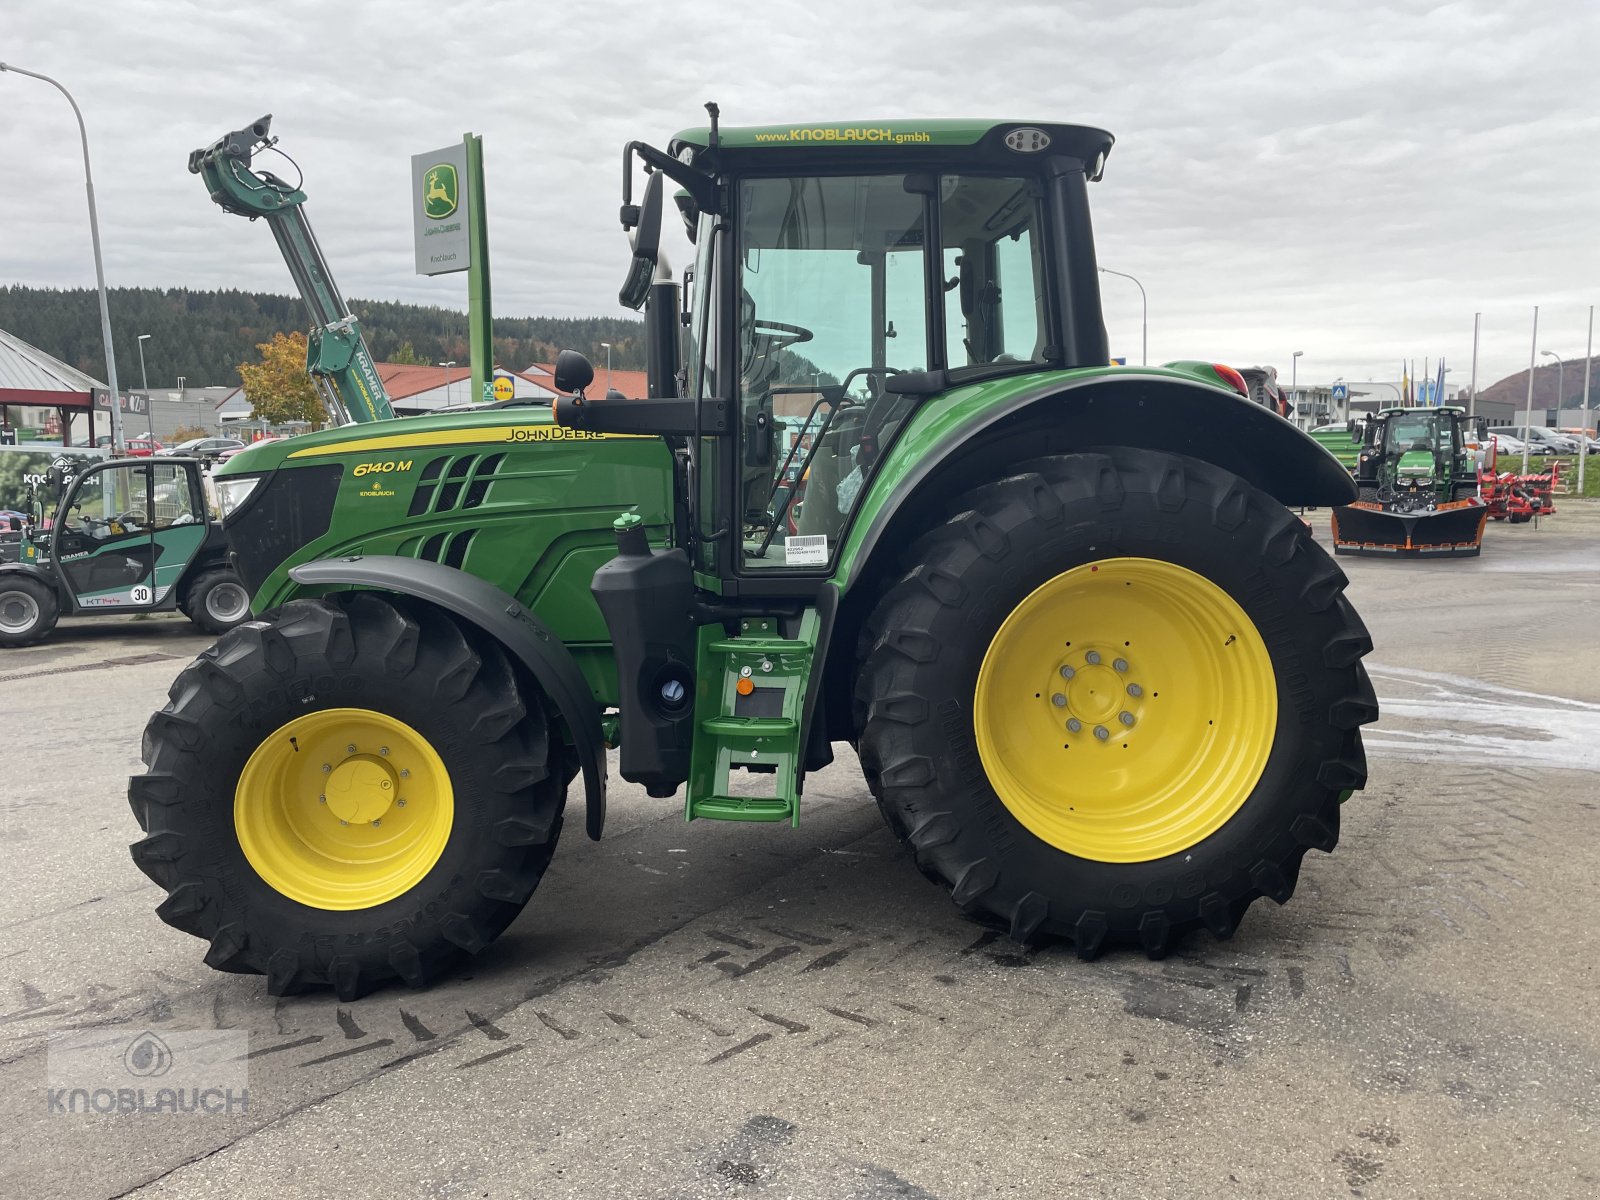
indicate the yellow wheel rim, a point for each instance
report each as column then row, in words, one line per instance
column 1125, row 710
column 343, row 809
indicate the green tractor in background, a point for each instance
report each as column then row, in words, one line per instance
column 1100, row 679
column 1418, row 486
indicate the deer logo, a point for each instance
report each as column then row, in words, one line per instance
column 441, row 191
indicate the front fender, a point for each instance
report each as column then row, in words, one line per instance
column 1063, row 412
column 503, row 618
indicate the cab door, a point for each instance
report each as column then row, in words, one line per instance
column 103, row 540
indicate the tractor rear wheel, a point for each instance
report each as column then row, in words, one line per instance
column 1116, row 698
column 353, row 791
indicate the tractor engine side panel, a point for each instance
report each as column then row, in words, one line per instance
column 530, row 515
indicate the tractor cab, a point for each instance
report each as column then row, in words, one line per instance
column 1414, row 457
column 844, row 275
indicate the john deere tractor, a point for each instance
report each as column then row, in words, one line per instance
column 1418, row 488
column 886, row 492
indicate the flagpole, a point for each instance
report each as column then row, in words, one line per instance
column 1527, row 417
column 1472, row 388
column 1588, row 369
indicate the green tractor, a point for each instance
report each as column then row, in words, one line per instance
column 1099, row 677
column 1418, row 485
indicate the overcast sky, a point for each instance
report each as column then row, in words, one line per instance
column 1352, row 180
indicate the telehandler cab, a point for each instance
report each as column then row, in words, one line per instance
column 1098, row 675
column 130, row 535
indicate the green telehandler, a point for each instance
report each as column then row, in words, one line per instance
column 884, row 491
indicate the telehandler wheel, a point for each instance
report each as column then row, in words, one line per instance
column 28, row 609
column 217, row 601
column 1116, row 698
column 351, row 791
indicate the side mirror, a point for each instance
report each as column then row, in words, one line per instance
column 645, row 221
column 689, row 211
column 573, row 372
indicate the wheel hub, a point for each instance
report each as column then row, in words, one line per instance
column 1096, row 693
column 18, row 612
column 362, row 788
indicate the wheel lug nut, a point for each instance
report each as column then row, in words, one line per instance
column 376, row 821
column 344, row 822
column 1092, row 658
column 1101, row 733
column 401, row 803
column 350, row 749
column 1120, row 664
column 322, row 799
column 1075, row 725
column 1058, row 700
column 1135, row 690
column 1067, row 672
column 327, row 768
column 384, row 750
column 405, row 773
column 1125, row 717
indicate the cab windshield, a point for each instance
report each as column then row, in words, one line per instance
column 835, row 274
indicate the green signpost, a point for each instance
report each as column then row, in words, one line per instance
column 451, row 225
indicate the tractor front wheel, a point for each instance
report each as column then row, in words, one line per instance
column 353, row 791
column 1116, row 698
column 28, row 609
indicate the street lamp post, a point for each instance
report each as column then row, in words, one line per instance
column 606, row 346
column 1294, row 381
column 1561, row 380
column 1144, row 320
column 447, row 366
column 99, row 270
column 144, row 381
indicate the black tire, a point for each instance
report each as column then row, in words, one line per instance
column 217, row 601
column 28, row 609
column 929, row 634
column 360, row 650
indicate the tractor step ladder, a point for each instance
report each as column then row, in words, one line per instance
column 748, row 709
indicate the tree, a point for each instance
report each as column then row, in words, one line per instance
column 405, row 354
column 278, row 387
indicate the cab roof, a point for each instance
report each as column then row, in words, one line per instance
column 957, row 141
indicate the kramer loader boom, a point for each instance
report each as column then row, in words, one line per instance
column 336, row 354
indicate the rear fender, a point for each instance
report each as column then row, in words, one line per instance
column 965, row 436
column 503, row 618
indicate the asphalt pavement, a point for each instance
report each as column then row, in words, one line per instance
column 731, row 1010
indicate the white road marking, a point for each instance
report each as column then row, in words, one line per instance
column 1479, row 723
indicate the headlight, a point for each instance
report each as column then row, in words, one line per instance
column 233, row 491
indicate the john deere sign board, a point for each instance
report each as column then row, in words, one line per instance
column 439, row 210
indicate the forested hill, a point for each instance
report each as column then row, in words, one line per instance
column 203, row 336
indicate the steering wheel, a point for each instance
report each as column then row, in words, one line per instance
column 781, row 336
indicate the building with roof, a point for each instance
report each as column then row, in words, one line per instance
column 40, row 393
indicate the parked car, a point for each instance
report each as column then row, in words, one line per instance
column 204, row 447
column 1552, row 441
column 1509, row 445
column 243, row 446
column 134, row 447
